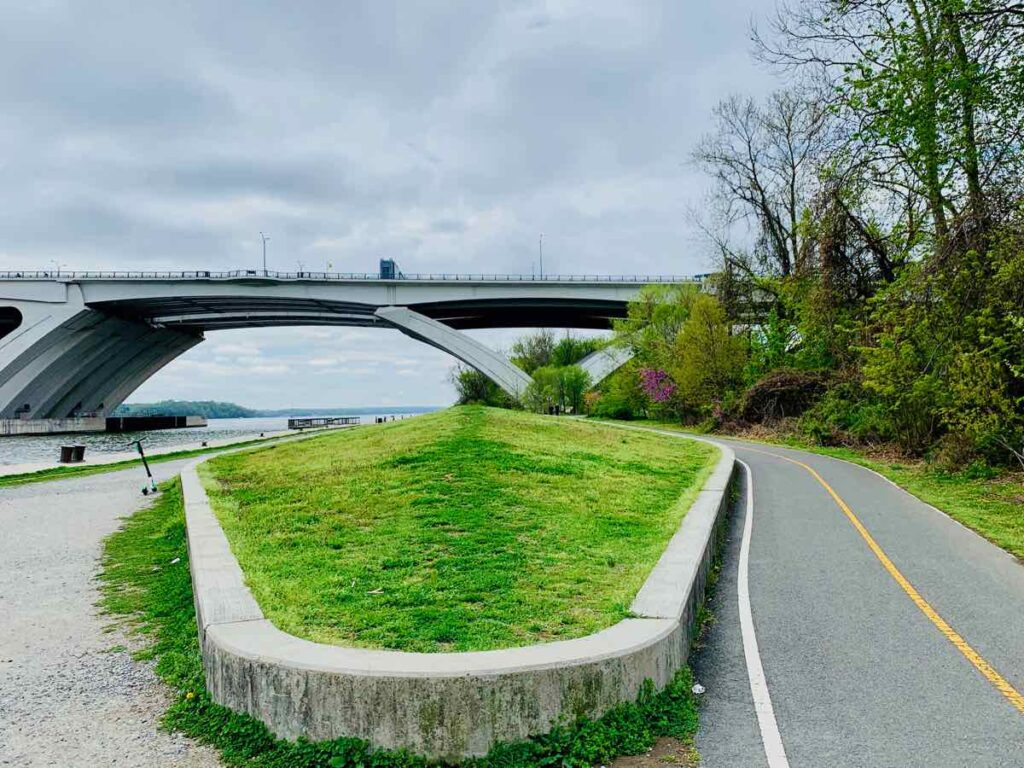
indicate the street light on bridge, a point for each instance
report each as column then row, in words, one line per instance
column 264, row 238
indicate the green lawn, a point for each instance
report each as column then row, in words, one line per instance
column 145, row 585
column 467, row 529
column 992, row 506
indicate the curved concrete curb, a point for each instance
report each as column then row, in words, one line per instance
column 442, row 705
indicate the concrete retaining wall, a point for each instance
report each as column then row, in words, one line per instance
column 52, row 426
column 442, row 705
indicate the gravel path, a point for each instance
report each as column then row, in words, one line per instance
column 66, row 698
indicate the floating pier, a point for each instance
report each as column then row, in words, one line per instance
column 309, row 422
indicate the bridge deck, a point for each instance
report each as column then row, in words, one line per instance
column 78, row 341
column 237, row 274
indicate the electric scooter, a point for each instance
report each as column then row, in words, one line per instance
column 151, row 488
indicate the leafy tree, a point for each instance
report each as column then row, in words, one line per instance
column 571, row 349
column 654, row 320
column 709, row 360
column 540, row 349
column 621, row 395
column 557, row 380
column 929, row 88
column 815, row 249
column 473, row 388
column 534, row 351
column 544, row 391
column 689, row 361
column 574, row 384
column 562, row 386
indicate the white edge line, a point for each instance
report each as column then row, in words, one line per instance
column 770, row 737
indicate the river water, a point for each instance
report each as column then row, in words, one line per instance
column 46, row 448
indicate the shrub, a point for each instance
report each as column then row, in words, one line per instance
column 783, row 393
column 846, row 414
column 473, row 388
column 552, row 385
column 953, row 451
column 622, row 396
column 983, row 410
column 708, row 361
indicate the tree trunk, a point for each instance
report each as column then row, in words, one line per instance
column 967, row 77
column 927, row 125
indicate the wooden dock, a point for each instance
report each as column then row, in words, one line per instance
column 309, row 422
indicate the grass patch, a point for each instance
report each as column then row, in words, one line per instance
column 987, row 502
column 468, row 529
column 145, row 582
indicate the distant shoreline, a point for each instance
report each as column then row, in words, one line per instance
column 212, row 409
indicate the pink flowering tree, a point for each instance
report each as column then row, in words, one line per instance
column 657, row 385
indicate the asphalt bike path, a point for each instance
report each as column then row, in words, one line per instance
column 888, row 634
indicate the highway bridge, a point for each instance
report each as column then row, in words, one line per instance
column 76, row 343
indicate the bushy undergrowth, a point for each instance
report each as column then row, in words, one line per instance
column 145, row 582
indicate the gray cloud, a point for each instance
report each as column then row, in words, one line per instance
column 445, row 135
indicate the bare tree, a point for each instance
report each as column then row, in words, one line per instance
column 930, row 89
column 763, row 162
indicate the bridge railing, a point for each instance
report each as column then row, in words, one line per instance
column 339, row 276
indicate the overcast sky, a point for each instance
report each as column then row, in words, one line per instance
column 444, row 135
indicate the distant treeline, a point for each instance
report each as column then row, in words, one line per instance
column 388, row 409
column 213, row 409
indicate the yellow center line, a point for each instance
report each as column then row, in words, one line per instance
column 986, row 669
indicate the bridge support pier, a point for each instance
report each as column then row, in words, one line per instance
column 604, row 362
column 64, row 358
column 491, row 364
column 149, row 358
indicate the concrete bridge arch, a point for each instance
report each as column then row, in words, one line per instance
column 83, row 342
